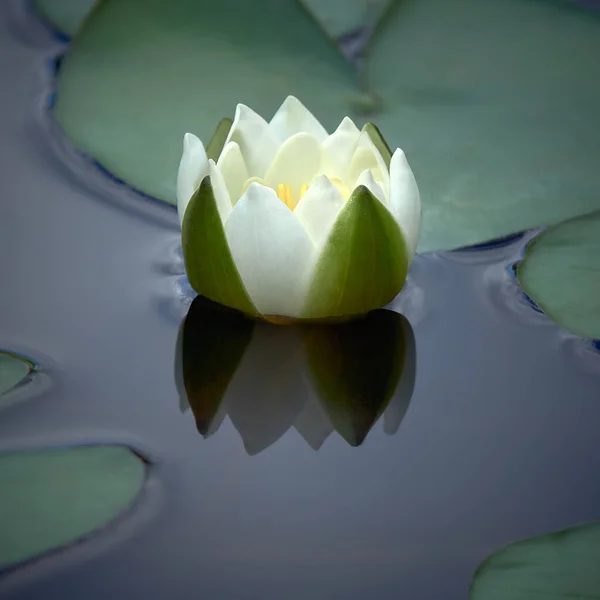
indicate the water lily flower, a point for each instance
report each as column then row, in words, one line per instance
column 281, row 219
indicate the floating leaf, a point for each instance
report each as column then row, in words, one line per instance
column 561, row 273
column 65, row 16
column 141, row 74
column 356, row 368
column 53, row 497
column 562, row 565
column 498, row 142
column 13, row 370
column 496, row 106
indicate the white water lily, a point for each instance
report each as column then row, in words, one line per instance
column 293, row 222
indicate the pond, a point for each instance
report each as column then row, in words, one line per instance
column 491, row 435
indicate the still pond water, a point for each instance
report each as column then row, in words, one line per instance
column 499, row 440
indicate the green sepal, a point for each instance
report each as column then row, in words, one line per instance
column 355, row 368
column 217, row 141
column 210, row 267
column 363, row 264
column 379, row 142
column 214, row 341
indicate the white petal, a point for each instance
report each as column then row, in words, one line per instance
column 366, row 179
column 297, row 162
column 219, row 190
column 338, row 149
column 293, row 117
column 251, row 132
column 272, row 251
column 193, row 167
column 319, row 208
column 405, row 201
column 366, row 156
column 232, row 165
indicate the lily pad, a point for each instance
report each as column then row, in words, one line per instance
column 562, row 565
column 66, row 16
column 13, row 370
column 139, row 75
column 495, row 103
column 496, row 106
column 561, row 273
column 51, row 498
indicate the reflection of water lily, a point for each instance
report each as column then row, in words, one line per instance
column 317, row 378
column 290, row 221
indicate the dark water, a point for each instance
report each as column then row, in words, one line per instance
column 499, row 442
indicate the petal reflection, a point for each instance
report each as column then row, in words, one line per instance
column 356, row 369
column 317, row 379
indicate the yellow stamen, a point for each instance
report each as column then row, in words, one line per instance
column 303, row 190
column 284, row 191
column 341, row 186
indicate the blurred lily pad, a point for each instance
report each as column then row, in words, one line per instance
column 495, row 103
column 496, row 106
column 66, row 16
column 50, row 498
column 561, row 273
column 139, row 75
column 562, row 565
column 13, row 370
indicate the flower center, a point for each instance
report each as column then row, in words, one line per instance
column 284, row 190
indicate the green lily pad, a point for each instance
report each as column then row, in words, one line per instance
column 356, row 368
column 494, row 103
column 13, row 370
column 496, row 106
column 561, row 273
column 213, row 342
column 141, row 74
column 66, row 16
column 562, row 565
column 51, row 498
